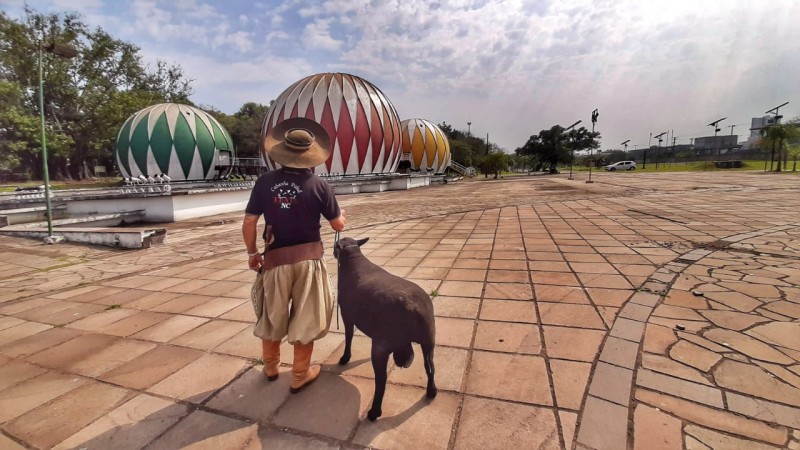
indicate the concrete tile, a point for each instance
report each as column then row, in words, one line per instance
column 243, row 313
column 681, row 388
column 450, row 364
column 38, row 342
column 466, row 274
column 104, row 359
column 609, row 297
column 360, row 357
column 36, row 391
column 569, row 382
column 764, row 410
column 612, row 383
column 9, row 444
column 459, row 307
column 332, row 407
column 132, row 425
column 554, row 278
column 209, row 335
column 151, row 367
column 619, row 352
column 21, row 331
column 182, row 304
column 50, row 424
column 14, row 372
column 242, row 344
column 566, row 314
column 508, row 337
column 525, row 377
column 507, row 276
column 271, row 438
column 454, row 332
column 713, row 418
column 604, row 425
column 216, row 307
column 487, row 423
column 560, row 294
column 99, row 320
column 572, row 343
column 568, row 421
column 753, row 380
column 200, row 379
column 629, row 330
column 747, row 345
column 508, row 311
column 170, row 328
column 71, row 352
column 712, row 439
column 694, row 355
column 654, row 429
column 508, row 291
column 205, row 430
column 461, row 288
column 252, row 395
column 410, row 421
column 667, row 366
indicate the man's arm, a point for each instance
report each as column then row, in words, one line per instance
column 338, row 223
column 250, row 236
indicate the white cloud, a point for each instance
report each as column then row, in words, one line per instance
column 316, row 35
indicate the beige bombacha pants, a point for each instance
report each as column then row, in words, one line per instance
column 298, row 302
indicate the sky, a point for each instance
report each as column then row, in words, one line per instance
column 509, row 67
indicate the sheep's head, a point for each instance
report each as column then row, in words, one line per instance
column 347, row 243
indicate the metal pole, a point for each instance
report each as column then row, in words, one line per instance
column 591, row 157
column 45, row 171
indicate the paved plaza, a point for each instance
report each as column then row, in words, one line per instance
column 642, row 311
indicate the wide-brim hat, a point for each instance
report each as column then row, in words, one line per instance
column 298, row 142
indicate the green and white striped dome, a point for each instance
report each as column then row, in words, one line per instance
column 178, row 140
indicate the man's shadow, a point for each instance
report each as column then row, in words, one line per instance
column 250, row 408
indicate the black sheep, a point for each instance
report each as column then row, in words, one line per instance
column 394, row 312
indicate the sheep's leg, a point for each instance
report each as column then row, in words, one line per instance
column 380, row 359
column 427, row 356
column 348, row 341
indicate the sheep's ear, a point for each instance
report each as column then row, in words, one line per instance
column 361, row 242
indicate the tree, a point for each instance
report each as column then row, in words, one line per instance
column 86, row 98
column 494, row 162
column 553, row 146
column 244, row 127
column 778, row 137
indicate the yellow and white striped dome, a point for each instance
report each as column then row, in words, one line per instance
column 426, row 145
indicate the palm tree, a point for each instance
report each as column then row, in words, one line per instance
column 779, row 135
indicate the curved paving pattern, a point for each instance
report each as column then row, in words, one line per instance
column 643, row 311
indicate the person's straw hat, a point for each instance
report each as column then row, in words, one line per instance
column 298, row 142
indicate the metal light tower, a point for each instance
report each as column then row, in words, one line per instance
column 659, row 137
column 716, row 130
column 777, row 122
column 595, row 115
column 572, row 150
column 62, row 51
column 626, row 147
column 469, row 128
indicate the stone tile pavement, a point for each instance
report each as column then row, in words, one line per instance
column 643, row 311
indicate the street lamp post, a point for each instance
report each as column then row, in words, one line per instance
column 469, row 128
column 658, row 149
column 595, row 115
column 626, row 147
column 572, row 150
column 715, row 124
column 64, row 52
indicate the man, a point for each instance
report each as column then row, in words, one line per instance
column 297, row 297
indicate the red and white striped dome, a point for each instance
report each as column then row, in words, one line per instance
column 363, row 125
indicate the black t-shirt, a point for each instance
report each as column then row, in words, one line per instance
column 292, row 201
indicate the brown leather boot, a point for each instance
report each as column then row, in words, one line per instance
column 271, row 351
column 303, row 373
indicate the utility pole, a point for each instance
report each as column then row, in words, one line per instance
column 716, row 130
column 777, row 122
column 469, row 127
column 626, row 147
column 572, row 150
column 595, row 115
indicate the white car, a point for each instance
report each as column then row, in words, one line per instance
column 622, row 165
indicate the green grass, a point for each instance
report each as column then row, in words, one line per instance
column 693, row 166
column 60, row 185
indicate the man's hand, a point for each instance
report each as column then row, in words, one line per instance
column 338, row 223
column 255, row 262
